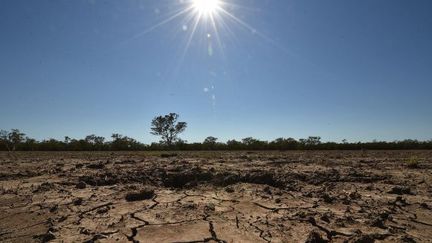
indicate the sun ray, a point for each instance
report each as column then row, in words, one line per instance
column 255, row 31
column 208, row 21
column 163, row 22
column 218, row 39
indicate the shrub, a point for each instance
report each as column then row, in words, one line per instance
column 413, row 162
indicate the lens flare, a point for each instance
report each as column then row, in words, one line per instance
column 206, row 7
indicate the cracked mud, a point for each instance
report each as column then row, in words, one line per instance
column 299, row 196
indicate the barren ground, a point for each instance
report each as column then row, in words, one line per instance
column 299, row 196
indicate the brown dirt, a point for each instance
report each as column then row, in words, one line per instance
column 299, row 196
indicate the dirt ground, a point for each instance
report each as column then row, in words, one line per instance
column 297, row 196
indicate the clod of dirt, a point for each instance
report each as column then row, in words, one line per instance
column 54, row 208
column 407, row 239
column 354, row 195
column 168, row 155
column 48, row 236
column 81, row 185
column 107, row 179
column 190, row 206
column 186, row 178
column 400, row 190
column 399, row 201
column 267, row 190
column 78, row 201
column 97, row 166
column 315, row 237
column 210, row 207
column 363, row 239
column 325, row 217
column 103, row 210
column 327, row 198
column 379, row 220
column 229, row 189
column 144, row 194
column 44, row 187
column 425, row 206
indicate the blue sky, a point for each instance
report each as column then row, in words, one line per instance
column 339, row 69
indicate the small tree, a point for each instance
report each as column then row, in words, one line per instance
column 96, row 142
column 168, row 128
column 11, row 139
column 210, row 142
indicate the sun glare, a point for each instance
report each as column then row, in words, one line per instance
column 206, row 7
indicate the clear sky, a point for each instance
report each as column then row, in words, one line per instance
column 339, row 69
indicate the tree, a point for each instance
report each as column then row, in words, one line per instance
column 284, row 143
column 11, row 139
column 234, row 144
column 209, row 142
column 168, row 128
column 96, row 142
column 313, row 141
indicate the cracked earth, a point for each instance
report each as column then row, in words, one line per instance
column 297, row 196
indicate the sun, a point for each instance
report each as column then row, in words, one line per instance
column 206, row 7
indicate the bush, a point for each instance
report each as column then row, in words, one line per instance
column 413, row 162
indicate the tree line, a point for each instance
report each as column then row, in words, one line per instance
column 168, row 128
column 15, row 140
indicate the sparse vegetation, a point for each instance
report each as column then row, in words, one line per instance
column 11, row 139
column 168, row 128
column 413, row 162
